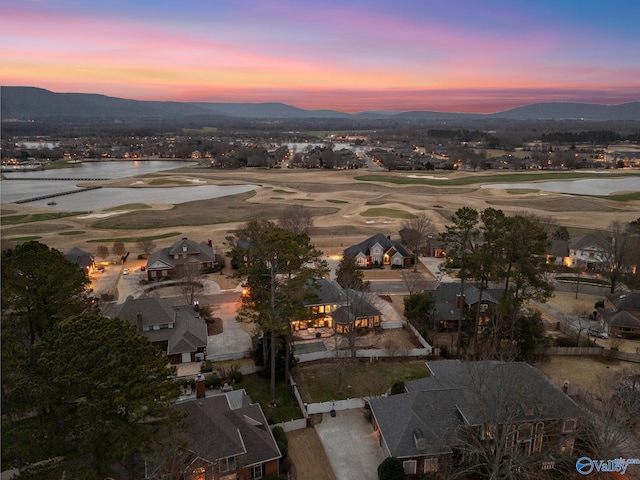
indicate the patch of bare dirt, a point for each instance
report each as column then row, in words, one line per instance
column 308, row 456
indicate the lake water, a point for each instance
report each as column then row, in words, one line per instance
column 591, row 186
column 28, row 187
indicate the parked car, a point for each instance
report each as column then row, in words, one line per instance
column 125, row 271
column 143, row 268
column 594, row 332
column 100, row 269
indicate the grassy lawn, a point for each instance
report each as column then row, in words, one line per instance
column 482, row 179
column 319, row 382
column 134, row 239
column 36, row 217
column 259, row 389
column 168, row 181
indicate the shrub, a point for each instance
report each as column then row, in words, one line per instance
column 236, row 376
column 397, row 387
column 599, row 304
column 207, row 367
column 391, row 469
column 212, row 380
column 281, row 439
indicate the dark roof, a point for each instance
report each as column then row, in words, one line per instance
column 591, row 241
column 622, row 318
column 195, row 252
column 325, row 292
column 385, row 242
column 188, row 333
column 79, row 257
column 218, row 427
column 625, row 301
column 559, row 248
column 356, row 306
column 460, row 395
column 445, row 296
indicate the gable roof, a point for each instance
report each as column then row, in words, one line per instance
column 385, row 242
column 445, row 296
column 590, row 241
column 195, row 252
column 325, row 292
column 188, row 333
column 625, row 301
column 79, row 257
column 222, row 426
column 623, row 318
column 460, row 395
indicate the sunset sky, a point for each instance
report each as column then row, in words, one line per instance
column 349, row 55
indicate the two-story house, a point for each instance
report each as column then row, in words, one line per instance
column 380, row 250
column 509, row 411
column 621, row 314
column 172, row 261
column 329, row 305
column 226, row 437
column 177, row 331
column 589, row 252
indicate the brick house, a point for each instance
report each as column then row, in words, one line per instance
column 226, row 437
column 172, row 261
column 510, row 408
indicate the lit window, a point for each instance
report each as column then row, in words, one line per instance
column 430, row 465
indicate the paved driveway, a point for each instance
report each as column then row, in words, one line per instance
column 351, row 445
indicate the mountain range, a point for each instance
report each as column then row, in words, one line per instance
column 31, row 103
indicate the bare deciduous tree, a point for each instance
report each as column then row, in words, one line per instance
column 297, row 219
column 415, row 233
column 189, row 286
column 102, row 251
column 146, row 246
column 118, row 248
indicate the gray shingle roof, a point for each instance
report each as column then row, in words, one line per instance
column 384, row 241
column 459, row 395
column 188, row 333
column 219, row 428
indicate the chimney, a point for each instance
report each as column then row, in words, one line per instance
column 210, row 243
column 460, row 301
column 139, row 322
column 200, row 387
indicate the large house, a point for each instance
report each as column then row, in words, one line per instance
column 621, row 314
column 380, row 250
column 178, row 331
column 227, row 437
column 506, row 409
column 332, row 306
column 173, row 261
column 589, row 252
column 84, row 260
column 450, row 305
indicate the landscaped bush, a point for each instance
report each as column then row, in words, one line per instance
column 207, row 367
column 212, row 380
column 281, row 439
column 397, row 387
column 236, row 376
column 391, row 469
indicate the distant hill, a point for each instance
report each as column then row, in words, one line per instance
column 31, row 103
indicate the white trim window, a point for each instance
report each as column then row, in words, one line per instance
column 410, row 467
column 256, row 472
